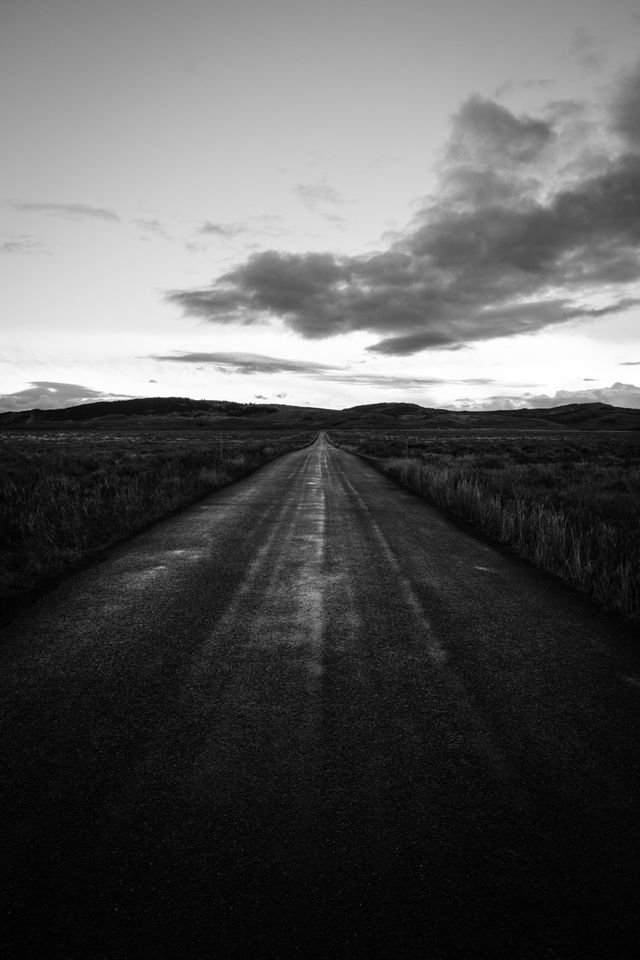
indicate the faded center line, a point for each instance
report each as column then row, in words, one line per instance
column 293, row 603
column 310, row 587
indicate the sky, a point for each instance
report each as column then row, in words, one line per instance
column 336, row 203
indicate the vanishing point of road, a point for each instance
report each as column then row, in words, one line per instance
column 310, row 717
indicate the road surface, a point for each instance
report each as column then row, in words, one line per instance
column 309, row 717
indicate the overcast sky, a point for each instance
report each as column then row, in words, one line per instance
column 328, row 203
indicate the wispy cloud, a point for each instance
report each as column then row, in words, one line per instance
column 317, row 194
column 245, row 363
column 153, row 226
column 223, row 230
column 586, row 49
column 69, row 210
column 51, row 395
column 510, row 85
column 400, row 382
column 520, row 237
column 252, row 363
column 21, row 244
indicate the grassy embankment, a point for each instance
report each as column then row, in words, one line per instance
column 570, row 503
column 66, row 496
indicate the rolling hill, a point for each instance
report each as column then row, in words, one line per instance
column 183, row 413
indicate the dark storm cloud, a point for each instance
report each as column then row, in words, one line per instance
column 51, row 395
column 301, row 287
column 485, row 131
column 486, row 324
column 496, row 253
column 73, row 210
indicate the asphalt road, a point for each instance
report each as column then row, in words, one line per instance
column 309, row 717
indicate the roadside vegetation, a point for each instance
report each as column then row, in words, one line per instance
column 569, row 502
column 64, row 496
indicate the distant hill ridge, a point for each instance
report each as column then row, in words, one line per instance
column 174, row 412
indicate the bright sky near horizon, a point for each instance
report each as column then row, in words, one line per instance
column 328, row 203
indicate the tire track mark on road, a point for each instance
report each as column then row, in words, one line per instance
column 249, row 711
column 477, row 730
column 436, row 652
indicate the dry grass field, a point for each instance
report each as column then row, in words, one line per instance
column 569, row 502
column 65, row 496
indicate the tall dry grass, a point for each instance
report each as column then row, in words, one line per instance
column 573, row 511
column 64, row 497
